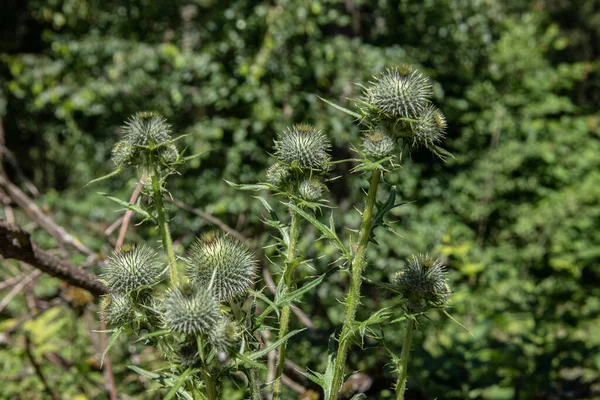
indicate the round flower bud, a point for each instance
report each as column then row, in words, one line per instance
column 400, row 93
column 130, row 270
column 429, row 129
column 311, row 189
column 304, row 146
column 191, row 310
column 147, row 126
column 116, row 308
column 224, row 334
column 168, row 154
column 423, row 283
column 277, row 174
column 222, row 263
column 378, row 144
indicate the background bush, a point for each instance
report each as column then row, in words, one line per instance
column 515, row 215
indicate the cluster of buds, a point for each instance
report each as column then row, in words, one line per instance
column 397, row 105
column 147, row 140
column 303, row 161
column 130, row 275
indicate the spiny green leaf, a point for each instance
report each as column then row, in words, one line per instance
column 178, row 384
column 342, row 109
column 133, row 207
column 258, row 354
column 328, row 232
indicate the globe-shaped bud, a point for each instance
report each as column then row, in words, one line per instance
column 423, row 283
column 278, row 174
column 116, row 309
column 399, row 93
column 303, row 145
column 145, row 127
column 130, row 270
column 191, row 310
column 430, row 127
column 311, row 189
column 224, row 335
column 222, row 263
column 378, row 144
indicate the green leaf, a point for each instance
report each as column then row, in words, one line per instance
column 143, row 372
column 102, row 178
column 132, row 207
column 296, row 294
column 178, row 384
column 264, row 298
column 251, row 187
column 258, row 354
column 328, row 232
column 381, row 210
column 111, row 342
column 342, row 109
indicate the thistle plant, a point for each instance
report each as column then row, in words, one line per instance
column 197, row 319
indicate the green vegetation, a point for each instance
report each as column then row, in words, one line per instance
column 513, row 215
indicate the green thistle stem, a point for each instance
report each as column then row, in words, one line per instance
column 403, row 367
column 211, row 384
column 285, row 312
column 164, row 228
column 353, row 298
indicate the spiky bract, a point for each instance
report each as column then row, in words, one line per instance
column 223, row 263
column 378, row 144
column 191, row 310
column 277, row 174
column 422, row 282
column 303, row 145
column 399, row 93
column 116, row 308
column 130, row 270
column 430, row 127
column 311, row 189
column 224, row 334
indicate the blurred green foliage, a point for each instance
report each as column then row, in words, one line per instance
column 515, row 214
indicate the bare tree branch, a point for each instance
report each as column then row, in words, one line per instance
column 15, row 243
column 43, row 220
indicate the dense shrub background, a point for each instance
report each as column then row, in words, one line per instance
column 515, row 215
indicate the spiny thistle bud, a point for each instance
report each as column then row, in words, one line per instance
column 423, row 283
column 224, row 334
column 303, row 145
column 430, row 127
column 311, row 189
column 378, row 144
column 145, row 127
column 223, row 263
column 191, row 310
column 130, row 270
column 116, row 308
column 277, row 174
column 142, row 130
column 399, row 93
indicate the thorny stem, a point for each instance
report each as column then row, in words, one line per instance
column 403, row 367
column 285, row 312
column 353, row 298
column 211, row 384
column 164, row 228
